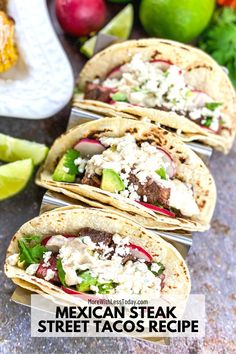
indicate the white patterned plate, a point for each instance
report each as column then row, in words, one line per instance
column 42, row 81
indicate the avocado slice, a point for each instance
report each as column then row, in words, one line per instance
column 111, row 181
column 60, row 175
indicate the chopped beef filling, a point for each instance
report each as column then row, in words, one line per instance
column 42, row 270
column 93, row 180
column 127, row 258
column 98, row 236
column 154, row 192
column 97, row 92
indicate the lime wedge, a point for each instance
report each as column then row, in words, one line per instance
column 12, row 149
column 120, row 26
column 14, row 177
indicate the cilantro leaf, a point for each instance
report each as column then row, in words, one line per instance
column 31, row 251
column 61, row 272
column 69, row 159
column 213, row 105
column 160, row 271
column 105, row 288
column 119, row 96
column 208, row 122
column 161, row 172
column 219, row 40
column 87, row 281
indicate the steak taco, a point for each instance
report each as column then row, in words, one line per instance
column 74, row 251
column 169, row 83
column 137, row 168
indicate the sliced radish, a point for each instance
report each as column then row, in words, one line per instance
column 115, row 73
column 83, row 296
column 158, row 209
column 139, row 252
column 89, row 147
column 171, row 169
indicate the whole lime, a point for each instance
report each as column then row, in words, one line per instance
column 180, row 20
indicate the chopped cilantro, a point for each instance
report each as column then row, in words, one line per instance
column 87, row 281
column 213, row 105
column 219, row 39
column 160, row 271
column 161, row 172
column 119, row 96
column 69, row 159
column 207, row 122
column 61, row 272
column 31, row 250
column 136, row 89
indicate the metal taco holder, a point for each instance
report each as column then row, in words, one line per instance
column 180, row 239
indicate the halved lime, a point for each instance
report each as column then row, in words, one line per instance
column 120, row 26
column 14, row 177
column 13, row 149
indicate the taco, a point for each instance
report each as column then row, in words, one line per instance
column 74, row 251
column 169, row 83
column 135, row 167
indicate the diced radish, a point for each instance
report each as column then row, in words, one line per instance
column 158, row 209
column 89, row 147
column 171, row 169
column 115, row 73
column 139, row 252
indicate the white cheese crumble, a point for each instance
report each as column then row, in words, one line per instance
column 32, row 269
column 143, row 162
column 151, row 85
column 49, row 275
column 13, row 259
column 46, row 257
column 132, row 278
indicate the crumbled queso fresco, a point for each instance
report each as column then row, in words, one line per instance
column 80, row 254
column 143, row 162
column 132, row 278
column 149, row 84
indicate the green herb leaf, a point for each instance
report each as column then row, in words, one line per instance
column 70, row 157
column 61, row 272
column 105, row 288
column 213, row 105
column 219, row 39
column 208, row 122
column 31, row 251
column 119, row 96
column 87, row 281
column 161, row 172
column 136, row 89
column 160, row 271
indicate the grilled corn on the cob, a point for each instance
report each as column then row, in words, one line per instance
column 8, row 51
